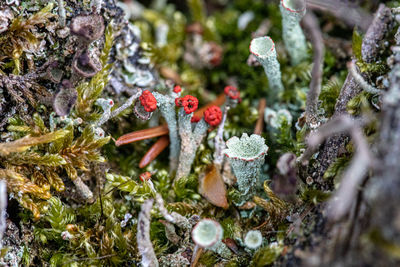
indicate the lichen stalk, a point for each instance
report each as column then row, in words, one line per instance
column 263, row 48
column 166, row 105
column 253, row 239
column 295, row 42
column 219, row 141
column 246, row 156
column 190, row 141
column 96, row 5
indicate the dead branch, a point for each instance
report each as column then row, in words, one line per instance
column 345, row 196
column 311, row 24
column 377, row 31
column 145, row 246
column 361, row 81
column 351, row 16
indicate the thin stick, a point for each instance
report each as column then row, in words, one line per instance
column 145, row 246
column 260, row 121
column 360, row 80
column 352, row 16
column 196, row 255
column 310, row 22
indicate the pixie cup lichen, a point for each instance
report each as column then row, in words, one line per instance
column 263, row 48
column 207, row 234
column 292, row 12
column 246, row 156
column 191, row 137
column 253, row 239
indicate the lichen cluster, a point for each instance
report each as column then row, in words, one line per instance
column 137, row 134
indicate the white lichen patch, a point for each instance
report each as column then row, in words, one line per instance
column 253, row 239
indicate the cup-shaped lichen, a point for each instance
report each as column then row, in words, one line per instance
column 253, row 239
column 207, row 233
column 246, row 156
column 263, row 48
column 292, row 11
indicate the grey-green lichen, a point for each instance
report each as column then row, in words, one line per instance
column 208, row 234
column 246, row 156
column 295, row 42
column 276, row 118
column 190, row 141
column 166, row 105
column 263, row 48
column 253, row 239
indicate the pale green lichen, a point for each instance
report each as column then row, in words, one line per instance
column 208, row 234
column 276, row 118
column 246, row 156
column 190, row 141
column 295, row 42
column 166, row 105
column 263, row 48
column 253, row 239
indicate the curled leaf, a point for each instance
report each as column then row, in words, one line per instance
column 212, row 187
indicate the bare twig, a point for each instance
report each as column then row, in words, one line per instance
column 3, row 209
column 344, row 197
column 336, row 125
column 91, row 259
column 352, row 16
column 173, row 217
column 145, row 246
column 310, row 22
column 355, row 173
column 115, row 112
column 375, row 34
column 360, row 80
column 260, row 121
column 196, row 256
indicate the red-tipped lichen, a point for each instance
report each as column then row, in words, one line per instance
column 148, row 101
column 232, row 92
column 213, row 115
column 189, row 103
column 177, row 89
